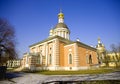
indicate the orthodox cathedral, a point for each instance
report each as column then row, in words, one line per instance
column 58, row 52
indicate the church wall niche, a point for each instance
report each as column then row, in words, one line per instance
column 50, row 54
column 82, row 56
column 61, row 54
column 68, row 50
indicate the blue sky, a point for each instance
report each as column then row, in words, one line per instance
column 86, row 19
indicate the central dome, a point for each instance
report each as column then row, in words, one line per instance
column 60, row 29
column 61, row 25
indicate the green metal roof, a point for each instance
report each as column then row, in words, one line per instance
column 85, row 46
column 50, row 38
column 67, row 42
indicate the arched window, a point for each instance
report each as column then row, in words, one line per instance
column 90, row 59
column 87, row 59
column 38, row 60
column 50, row 59
column 70, row 59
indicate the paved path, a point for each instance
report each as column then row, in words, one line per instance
column 29, row 78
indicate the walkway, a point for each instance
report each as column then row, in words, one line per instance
column 29, row 78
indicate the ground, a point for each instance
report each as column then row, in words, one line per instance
column 31, row 78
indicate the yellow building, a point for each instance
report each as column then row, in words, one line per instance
column 14, row 63
column 113, row 59
column 107, row 58
column 101, row 52
column 58, row 52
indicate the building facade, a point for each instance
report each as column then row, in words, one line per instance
column 14, row 63
column 109, row 59
column 58, row 52
column 101, row 52
column 113, row 59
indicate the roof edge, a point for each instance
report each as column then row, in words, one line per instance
column 85, row 45
column 49, row 38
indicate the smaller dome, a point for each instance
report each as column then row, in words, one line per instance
column 61, row 15
column 51, row 30
column 100, row 48
column 61, row 25
column 100, row 45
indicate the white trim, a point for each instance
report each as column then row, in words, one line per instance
column 69, row 45
column 46, row 54
column 60, row 20
column 76, row 56
column 61, row 28
column 57, row 52
column 53, row 53
column 41, row 44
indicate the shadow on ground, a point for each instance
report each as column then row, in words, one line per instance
column 10, row 75
column 85, row 82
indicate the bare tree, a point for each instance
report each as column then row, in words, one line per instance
column 116, row 50
column 119, row 50
column 7, row 42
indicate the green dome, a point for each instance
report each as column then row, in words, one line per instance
column 61, row 25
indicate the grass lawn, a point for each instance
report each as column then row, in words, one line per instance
column 96, row 71
column 10, row 69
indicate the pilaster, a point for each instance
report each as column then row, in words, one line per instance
column 46, row 55
column 53, row 54
column 76, row 56
column 57, row 52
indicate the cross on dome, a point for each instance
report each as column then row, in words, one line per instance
column 61, row 16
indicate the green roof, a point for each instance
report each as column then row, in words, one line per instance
column 50, row 38
column 66, row 41
column 85, row 46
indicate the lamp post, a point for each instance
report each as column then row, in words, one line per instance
column 2, row 68
column 1, row 50
column 3, row 55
